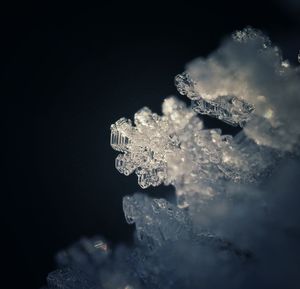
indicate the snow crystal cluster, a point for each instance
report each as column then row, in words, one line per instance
column 235, row 222
column 247, row 82
column 176, row 149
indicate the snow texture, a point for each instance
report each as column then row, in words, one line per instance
column 247, row 82
column 236, row 222
column 176, row 149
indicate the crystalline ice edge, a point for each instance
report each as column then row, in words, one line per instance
column 227, row 108
column 175, row 149
column 156, row 220
column 163, row 229
column 91, row 264
column 232, row 223
column 223, row 103
column 247, row 83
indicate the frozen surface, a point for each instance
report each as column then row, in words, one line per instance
column 91, row 264
column 227, row 108
column 156, row 220
column 176, row 149
column 247, row 82
column 247, row 238
column 235, row 221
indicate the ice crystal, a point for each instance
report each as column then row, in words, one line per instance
column 67, row 278
column 235, row 221
column 246, row 82
column 86, row 253
column 163, row 229
column 175, row 149
column 90, row 264
column 159, row 222
column 156, row 220
column 147, row 146
column 227, row 108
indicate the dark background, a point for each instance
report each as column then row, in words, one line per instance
column 71, row 70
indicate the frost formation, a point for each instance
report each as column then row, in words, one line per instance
column 247, row 82
column 235, row 221
column 176, row 149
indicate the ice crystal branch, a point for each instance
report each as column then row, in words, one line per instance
column 247, row 82
column 236, row 221
column 176, row 149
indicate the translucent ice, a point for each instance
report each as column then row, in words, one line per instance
column 236, row 220
column 246, row 82
column 228, row 108
column 165, row 232
column 90, row 264
column 86, row 255
column 156, row 220
column 146, row 145
column 68, row 278
column 175, row 149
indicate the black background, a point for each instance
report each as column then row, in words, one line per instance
column 71, row 70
